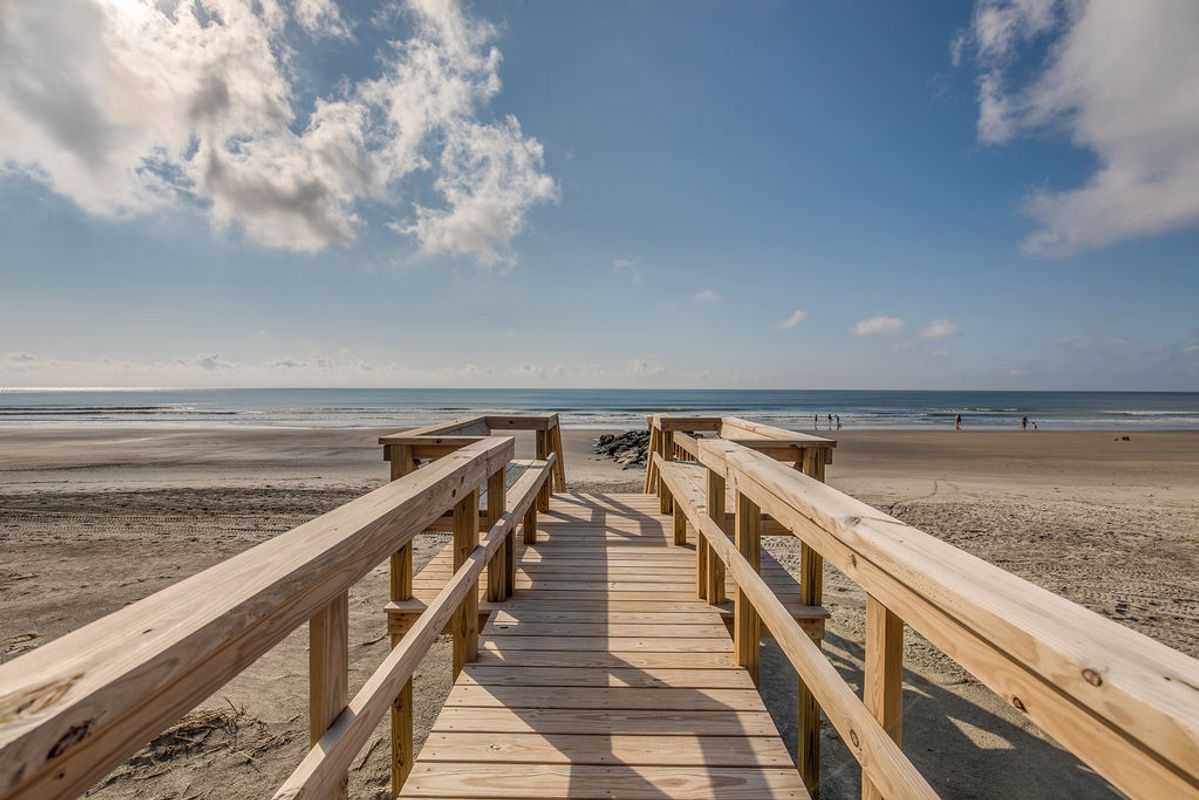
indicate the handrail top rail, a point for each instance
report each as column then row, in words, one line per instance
column 1138, row 685
column 736, row 428
column 182, row 642
column 479, row 425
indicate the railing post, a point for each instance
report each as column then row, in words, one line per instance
column 543, row 452
column 882, row 687
column 714, row 572
column 402, row 751
column 328, row 671
column 559, row 468
column 811, row 591
column 666, row 450
column 680, row 526
column 530, row 524
column 747, row 631
column 651, row 483
column 497, row 568
column 466, row 621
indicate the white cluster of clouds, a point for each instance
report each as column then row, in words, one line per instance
column 894, row 328
column 886, row 325
column 1121, row 81
column 131, row 106
column 879, row 324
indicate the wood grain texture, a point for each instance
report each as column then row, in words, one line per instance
column 882, row 685
column 76, row 707
column 607, row 670
column 1122, row 702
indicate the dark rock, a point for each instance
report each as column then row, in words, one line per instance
column 628, row 449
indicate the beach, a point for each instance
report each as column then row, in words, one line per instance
column 92, row 519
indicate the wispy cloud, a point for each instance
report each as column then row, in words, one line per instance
column 136, row 107
column 627, row 267
column 879, row 325
column 942, row 329
column 794, row 321
column 1120, row 81
column 644, row 369
column 706, row 297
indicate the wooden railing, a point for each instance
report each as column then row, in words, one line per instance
column 75, row 708
column 1125, row 704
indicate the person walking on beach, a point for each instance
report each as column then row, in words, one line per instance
column 815, row 421
column 1024, row 423
column 838, row 418
column 1034, row 425
column 830, row 422
column 957, row 423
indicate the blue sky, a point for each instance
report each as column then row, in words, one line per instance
column 634, row 194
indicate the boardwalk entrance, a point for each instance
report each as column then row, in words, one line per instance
column 603, row 675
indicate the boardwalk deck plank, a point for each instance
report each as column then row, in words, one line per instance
column 604, row 675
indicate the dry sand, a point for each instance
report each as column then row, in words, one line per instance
column 91, row 520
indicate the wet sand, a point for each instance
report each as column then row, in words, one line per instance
column 91, row 520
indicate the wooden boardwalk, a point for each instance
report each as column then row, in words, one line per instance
column 603, row 676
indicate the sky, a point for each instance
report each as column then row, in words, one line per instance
column 997, row 195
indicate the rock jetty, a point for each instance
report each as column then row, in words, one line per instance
column 627, row 449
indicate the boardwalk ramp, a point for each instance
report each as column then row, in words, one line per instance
column 604, row 676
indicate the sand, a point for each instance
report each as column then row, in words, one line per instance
column 91, row 520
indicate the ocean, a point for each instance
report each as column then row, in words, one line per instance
column 593, row 408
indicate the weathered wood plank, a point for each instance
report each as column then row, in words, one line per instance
column 627, row 698
column 611, row 644
column 592, row 749
column 601, row 782
column 661, row 677
column 608, row 721
column 605, row 659
column 712, row 629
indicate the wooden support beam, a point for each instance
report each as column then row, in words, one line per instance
column 402, row 752
column 559, row 467
column 882, row 688
column 811, row 590
column 651, row 469
column 714, row 591
column 666, row 449
column 402, row 459
column 530, row 525
column 466, row 622
column 747, row 630
column 543, row 452
column 680, row 527
column 497, row 578
column 328, row 672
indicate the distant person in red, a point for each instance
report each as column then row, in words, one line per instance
column 957, row 423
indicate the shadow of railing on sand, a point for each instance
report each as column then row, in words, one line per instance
column 953, row 734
